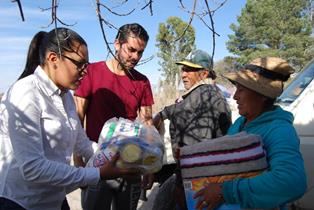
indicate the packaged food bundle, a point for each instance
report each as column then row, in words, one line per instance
column 218, row 160
column 140, row 146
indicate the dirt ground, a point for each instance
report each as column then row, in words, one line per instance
column 74, row 199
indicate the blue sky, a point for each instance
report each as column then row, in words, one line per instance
column 15, row 35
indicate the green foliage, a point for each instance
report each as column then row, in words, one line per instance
column 223, row 66
column 273, row 28
column 171, row 49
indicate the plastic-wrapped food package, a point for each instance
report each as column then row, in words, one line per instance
column 140, row 146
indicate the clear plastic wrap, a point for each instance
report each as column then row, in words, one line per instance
column 140, row 146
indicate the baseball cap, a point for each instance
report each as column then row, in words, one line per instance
column 197, row 59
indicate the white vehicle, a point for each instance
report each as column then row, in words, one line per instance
column 298, row 98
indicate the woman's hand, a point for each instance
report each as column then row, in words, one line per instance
column 209, row 197
column 110, row 171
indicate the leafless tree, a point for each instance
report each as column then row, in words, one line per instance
column 204, row 10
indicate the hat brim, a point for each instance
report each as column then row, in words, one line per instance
column 259, row 84
column 190, row 64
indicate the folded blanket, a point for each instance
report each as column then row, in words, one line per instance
column 218, row 160
column 227, row 155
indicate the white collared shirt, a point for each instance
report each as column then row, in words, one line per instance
column 39, row 130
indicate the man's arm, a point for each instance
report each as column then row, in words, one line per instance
column 157, row 121
column 146, row 115
column 81, row 107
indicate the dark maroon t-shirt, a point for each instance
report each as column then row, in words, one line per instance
column 110, row 95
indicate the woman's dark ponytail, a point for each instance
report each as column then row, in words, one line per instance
column 33, row 60
column 58, row 40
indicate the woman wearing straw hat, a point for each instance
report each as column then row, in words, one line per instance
column 258, row 85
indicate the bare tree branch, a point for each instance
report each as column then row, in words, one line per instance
column 54, row 7
column 115, row 13
column 206, row 24
column 221, row 5
column 54, row 17
column 190, row 21
column 214, row 10
column 146, row 60
column 20, row 8
column 181, row 3
column 213, row 29
column 104, row 22
column 101, row 21
column 150, row 4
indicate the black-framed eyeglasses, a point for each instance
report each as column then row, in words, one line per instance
column 80, row 65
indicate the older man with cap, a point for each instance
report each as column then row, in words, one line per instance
column 258, row 84
column 202, row 113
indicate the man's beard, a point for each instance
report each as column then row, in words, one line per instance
column 123, row 64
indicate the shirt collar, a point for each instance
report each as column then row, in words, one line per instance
column 47, row 85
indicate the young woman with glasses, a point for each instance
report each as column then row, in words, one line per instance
column 40, row 129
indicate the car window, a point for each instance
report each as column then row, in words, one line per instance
column 297, row 85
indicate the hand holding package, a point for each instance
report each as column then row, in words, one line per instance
column 140, row 146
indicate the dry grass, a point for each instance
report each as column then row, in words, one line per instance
column 164, row 96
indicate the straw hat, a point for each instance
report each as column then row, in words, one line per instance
column 263, row 75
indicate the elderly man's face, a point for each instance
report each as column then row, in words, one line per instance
column 190, row 76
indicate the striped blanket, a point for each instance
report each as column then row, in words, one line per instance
column 221, row 159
